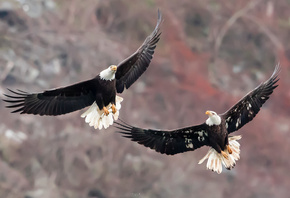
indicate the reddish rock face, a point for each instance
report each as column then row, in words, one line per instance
column 210, row 55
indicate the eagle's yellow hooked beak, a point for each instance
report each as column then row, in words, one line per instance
column 114, row 68
column 208, row 113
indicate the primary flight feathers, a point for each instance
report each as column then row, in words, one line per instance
column 130, row 69
column 102, row 89
column 248, row 107
column 214, row 132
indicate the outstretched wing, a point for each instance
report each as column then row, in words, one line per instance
column 54, row 102
column 130, row 69
column 248, row 107
column 168, row 142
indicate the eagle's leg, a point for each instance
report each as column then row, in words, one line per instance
column 227, row 145
column 229, row 149
column 106, row 111
column 225, row 154
column 220, row 151
column 100, row 103
column 114, row 110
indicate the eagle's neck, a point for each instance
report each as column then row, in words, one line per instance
column 107, row 74
column 213, row 120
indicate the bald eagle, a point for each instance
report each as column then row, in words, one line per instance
column 214, row 132
column 99, row 92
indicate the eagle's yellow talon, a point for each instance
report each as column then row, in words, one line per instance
column 114, row 110
column 229, row 149
column 106, row 111
column 225, row 155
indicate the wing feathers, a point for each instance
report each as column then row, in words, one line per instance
column 248, row 107
column 168, row 142
column 53, row 102
column 130, row 69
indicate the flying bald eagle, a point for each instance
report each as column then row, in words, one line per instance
column 213, row 133
column 99, row 92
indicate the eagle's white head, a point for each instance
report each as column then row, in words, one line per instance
column 109, row 73
column 214, row 118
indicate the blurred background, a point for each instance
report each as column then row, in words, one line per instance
column 211, row 53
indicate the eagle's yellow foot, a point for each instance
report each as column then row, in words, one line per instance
column 225, row 155
column 229, row 149
column 114, row 110
column 106, row 111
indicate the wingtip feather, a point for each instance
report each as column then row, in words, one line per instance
column 17, row 93
column 159, row 13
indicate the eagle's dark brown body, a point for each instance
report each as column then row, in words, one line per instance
column 106, row 92
column 218, row 136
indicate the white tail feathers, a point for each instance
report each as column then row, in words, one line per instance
column 215, row 159
column 97, row 118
